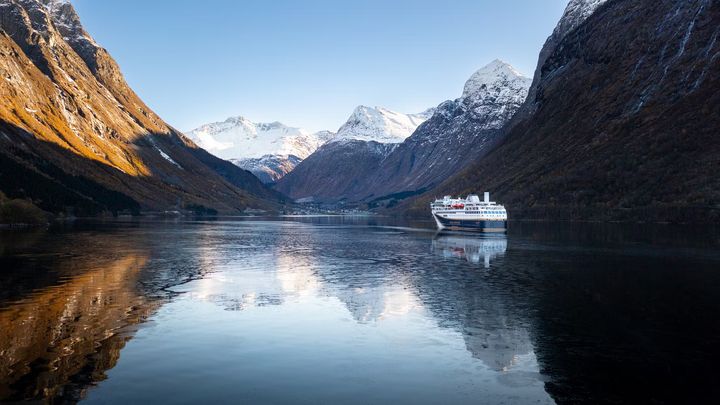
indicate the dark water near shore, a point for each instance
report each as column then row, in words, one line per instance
column 359, row 310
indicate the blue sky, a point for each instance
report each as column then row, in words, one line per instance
column 308, row 63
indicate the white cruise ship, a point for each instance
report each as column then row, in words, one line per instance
column 469, row 214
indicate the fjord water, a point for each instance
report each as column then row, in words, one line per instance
column 358, row 310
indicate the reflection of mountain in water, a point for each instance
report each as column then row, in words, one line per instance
column 371, row 304
column 73, row 299
column 376, row 281
column 475, row 249
column 633, row 329
column 56, row 341
column 496, row 342
column 286, row 267
column 379, row 280
column 491, row 317
column 281, row 269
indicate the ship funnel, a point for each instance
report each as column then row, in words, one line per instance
column 487, row 197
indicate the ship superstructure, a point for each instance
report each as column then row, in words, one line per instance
column 469, row 214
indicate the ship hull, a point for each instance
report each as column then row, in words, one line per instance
column 471, row 225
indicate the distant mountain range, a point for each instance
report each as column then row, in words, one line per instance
column 336, row 171
column 75, row 139
column 272, row 150
column 460, row 132
column 268, row 150
column 377, row 171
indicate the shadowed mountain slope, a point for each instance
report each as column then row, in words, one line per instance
column 622, row 123
column 455, row 134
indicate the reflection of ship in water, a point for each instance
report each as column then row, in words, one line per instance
column 491, row 318
column 473, row 248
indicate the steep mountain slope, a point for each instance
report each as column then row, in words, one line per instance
column 576, row 12
column 268, row 150
column 332, row 172
column 459, row 133
column 337, row 170
column 73, row 135
column 624, row 121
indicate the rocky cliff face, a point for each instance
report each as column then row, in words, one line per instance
column 576, row 12
column 73, row 134
column 624, row 121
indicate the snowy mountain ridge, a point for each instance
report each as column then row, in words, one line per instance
column 576, row 12
column 268, row 150
column 380, row 125
column 491, row 90
column 241, row 138
column 271, row 150
column 490, row 97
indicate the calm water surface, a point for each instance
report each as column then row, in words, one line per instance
column 342, row 310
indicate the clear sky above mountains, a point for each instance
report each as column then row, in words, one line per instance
column 309, row 63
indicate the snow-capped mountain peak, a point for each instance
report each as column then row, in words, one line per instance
column 269, row 150
column 54, row 4
column 380, row 125
column 68, row 23
column 495, row 72
column 493, row 94
column 576, row 12
column 241, row 138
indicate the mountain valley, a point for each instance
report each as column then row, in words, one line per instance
column 617, row 123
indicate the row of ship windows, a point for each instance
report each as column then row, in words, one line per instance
column 472, row 211
column 483, row 213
